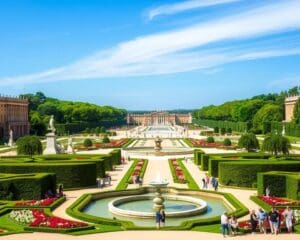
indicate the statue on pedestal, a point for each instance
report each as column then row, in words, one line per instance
column 11, row 138
column 51, row 124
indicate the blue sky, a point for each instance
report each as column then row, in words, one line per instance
column 151, row 55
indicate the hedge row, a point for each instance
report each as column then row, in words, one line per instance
column 26, row 186
column 235, row 126
column 197, row 156
column 281, row 184
column 73, row 171
column 244, row 173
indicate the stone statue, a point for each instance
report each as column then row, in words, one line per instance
column 11, row 138
column 70, row 148
column 51, row 124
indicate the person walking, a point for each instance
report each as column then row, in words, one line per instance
column 216, row 185
column 224, row 224
column 163, row 218
column 262, row 217
column 203, row 183
column 289, row 218
column 273, row 219
column 253, row 221
column 158, row 219
column 234, row 226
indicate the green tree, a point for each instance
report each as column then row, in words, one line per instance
column 29, row 145
column 227, row 142
column 223, row 131
column 296, row 115
column 210, row 140
column 249, row 142
column 267, row 114
column 216, row 129
column 276, row 144
column 105, row 139
column 87, row 142
column 37, row 125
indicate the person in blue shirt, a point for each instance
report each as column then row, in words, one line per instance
column 158, row 218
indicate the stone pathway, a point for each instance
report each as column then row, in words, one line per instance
column 146, row 235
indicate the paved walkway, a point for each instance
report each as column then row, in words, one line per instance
column 147, row 235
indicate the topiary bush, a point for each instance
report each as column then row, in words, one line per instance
column 276, row 144
column 210, row 140
column 227, row 142
column 87, row 142
column 249, row 142
column 105, row 139
column 223, row 131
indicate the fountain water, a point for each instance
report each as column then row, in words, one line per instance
column 158, row 183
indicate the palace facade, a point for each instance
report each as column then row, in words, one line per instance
column 13, row 116
column 159, row 118
column 289, row 104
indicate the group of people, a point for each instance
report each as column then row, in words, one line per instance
column 160, row 218
column 101, row 182
column 213, row 181
column 229, row 225
column 274, row 217
column 59, row 193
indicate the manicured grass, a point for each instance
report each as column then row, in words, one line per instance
column 8, row 224
column 214, row 228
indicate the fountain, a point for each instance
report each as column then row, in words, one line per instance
column 157, row 146
column 158, row 183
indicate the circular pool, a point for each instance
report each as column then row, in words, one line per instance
column 140, row 206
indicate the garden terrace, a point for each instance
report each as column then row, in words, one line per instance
column 281, row 184
column 73, row 171
column 26, row 186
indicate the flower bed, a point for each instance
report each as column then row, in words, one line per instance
column 138, row 168
column 37, row 203
column 205, row 144
column 37, row 218
column 276, row 201
column 178, row 172
column 112, row 144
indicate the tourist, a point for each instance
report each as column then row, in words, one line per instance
column 207, row 180
column 163, row 218
column 60, row 190
column 224, row 224
column 213, row 181
column 233, row 225
column 140, row 181
column 273, row 219
column 216, row 185
column 158, row 219
column 203, row 183
column 289, row 219
column 262, row 217
column 253, row 221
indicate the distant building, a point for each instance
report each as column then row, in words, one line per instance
column 159, row 118
column 289, row 104
column 13, row 115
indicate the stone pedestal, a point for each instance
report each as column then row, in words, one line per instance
column 51, row 145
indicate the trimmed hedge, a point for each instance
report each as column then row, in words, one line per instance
column 26, row 186
column 244, row 173
column 73, row 171
column 197, row 156
column 281, row 184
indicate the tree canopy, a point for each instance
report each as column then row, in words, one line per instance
column 29, row 145
column 276, row 144
column 42, row 107
column 249, row 142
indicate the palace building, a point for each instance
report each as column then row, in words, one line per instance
column 289, row 104
column 13, row 116
column 159, row 118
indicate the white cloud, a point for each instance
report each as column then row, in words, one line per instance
column 169, row 9
column 175, row 51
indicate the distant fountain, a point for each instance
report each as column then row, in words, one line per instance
column 158, row 183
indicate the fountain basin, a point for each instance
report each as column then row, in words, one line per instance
column 115, row 206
